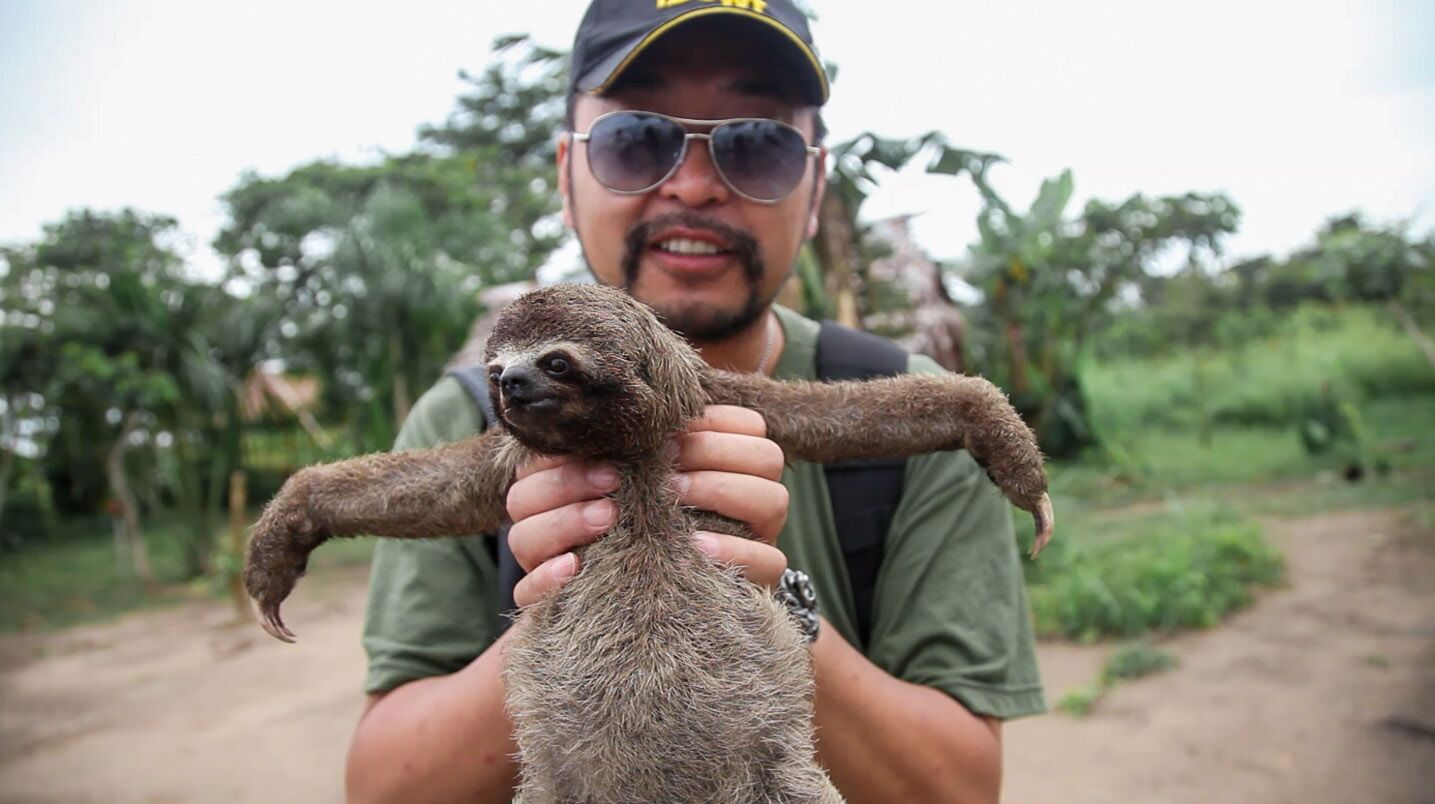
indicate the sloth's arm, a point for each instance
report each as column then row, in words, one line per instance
column 445, row 491
column 897, row 417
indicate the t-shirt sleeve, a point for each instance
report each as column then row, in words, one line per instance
column 432, row 604
column 950, row 609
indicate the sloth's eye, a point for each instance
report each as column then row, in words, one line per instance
column 555, row 366
column 495, row 374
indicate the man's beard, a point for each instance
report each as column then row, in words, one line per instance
column 700, row 323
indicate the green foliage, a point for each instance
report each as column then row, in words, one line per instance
column 1135, row 659
column 854, row 163
column 1129, row 660
column 118, row 350
column 77, row 576
column 372, row 270
column 368, row 268
column 1049, row 283
column 1188, row 573
column 1350, row 262
column 1268, row 381
column 1080, row 701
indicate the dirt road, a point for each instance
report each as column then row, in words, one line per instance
column 1323, row 692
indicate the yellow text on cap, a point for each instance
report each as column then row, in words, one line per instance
column 760, row 6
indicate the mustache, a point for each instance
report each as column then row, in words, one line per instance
column 742, row 244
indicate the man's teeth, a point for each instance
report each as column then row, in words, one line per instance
column 683, row 245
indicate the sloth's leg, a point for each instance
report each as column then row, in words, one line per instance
column 445, row 491
column 897, row 417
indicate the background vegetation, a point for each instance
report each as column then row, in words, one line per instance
column 139, row 403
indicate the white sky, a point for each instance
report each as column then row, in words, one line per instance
column 1300, row 110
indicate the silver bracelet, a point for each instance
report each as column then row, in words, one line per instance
column 796, row 592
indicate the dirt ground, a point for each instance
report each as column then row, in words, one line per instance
column 1322, row 692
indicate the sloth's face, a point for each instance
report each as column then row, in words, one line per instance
column 559, row 399
column 586, row 370
column 549, row 397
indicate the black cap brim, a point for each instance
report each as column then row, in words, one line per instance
column 602, row 75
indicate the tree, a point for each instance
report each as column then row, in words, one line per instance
column 129, row 363
column 1049, row 282
column 374, row 269
column 100, row 309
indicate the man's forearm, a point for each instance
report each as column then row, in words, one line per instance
column 883, row 739
column 437, row 739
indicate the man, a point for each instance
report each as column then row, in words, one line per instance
column 705, row 230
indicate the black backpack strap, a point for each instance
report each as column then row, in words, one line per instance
column 864, row 493
column 474, row 379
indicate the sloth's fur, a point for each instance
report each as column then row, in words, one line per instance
column 654, row 675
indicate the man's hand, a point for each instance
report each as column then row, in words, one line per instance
column 725, row 465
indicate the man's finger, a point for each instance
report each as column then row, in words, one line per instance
column 762, row 563
column 730, row 419
column 556, row 486
column 539, row 538
column 545, row 579
column 729, row 452
column 759, row 502
column 541, row 463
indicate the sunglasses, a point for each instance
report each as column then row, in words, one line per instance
column 759, row 159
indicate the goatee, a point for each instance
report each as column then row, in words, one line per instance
column 699, row 323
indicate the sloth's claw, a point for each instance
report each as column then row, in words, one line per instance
column 1045, row 523
column 272, row 623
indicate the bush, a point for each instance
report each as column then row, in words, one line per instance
column 1135, row 660
column 1189, row 576
column 1128, row 661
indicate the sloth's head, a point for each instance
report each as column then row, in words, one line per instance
column 587, row 370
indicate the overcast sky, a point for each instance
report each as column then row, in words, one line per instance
column 1299, row 110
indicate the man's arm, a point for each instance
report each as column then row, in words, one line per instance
column 883, row 739
column 444, row 738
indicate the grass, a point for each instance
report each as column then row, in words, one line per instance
column 77, row 578
column 1164, row 464
column 1265, row 381
column 1129, row 660
column 1080, row 701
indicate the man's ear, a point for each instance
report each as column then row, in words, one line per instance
column 819, row 188
column 564, row 151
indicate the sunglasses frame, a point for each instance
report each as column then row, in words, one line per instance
column 688, row 136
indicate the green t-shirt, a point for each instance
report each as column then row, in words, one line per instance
column 949, row 610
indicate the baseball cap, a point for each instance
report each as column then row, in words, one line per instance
column 614, row 33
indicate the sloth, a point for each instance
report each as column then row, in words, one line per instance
column 656, row 674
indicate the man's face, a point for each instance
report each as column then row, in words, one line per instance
column 637, row 241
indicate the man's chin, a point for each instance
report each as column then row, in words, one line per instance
column 705, row 323
column 701, row 314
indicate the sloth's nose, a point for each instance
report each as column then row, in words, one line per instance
column 517, row 382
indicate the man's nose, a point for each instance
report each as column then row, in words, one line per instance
column 696, row 182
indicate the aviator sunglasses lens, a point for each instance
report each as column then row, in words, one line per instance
column 631, row 152
column 760, row 158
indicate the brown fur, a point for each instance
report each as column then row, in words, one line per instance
column 655, row 675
